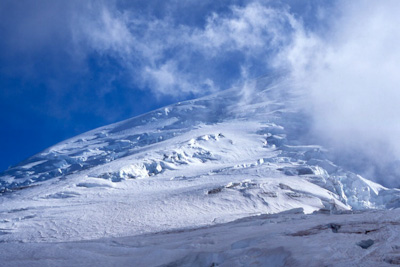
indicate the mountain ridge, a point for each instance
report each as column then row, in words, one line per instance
column 195, row 163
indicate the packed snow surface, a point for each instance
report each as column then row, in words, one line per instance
column 194, row 164
column 369, row 238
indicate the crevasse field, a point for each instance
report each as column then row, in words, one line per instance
column 232, row 179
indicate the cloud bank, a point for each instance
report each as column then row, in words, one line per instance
column 350, row 77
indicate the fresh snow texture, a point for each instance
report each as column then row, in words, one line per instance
column 194, row 164
column 287, row 239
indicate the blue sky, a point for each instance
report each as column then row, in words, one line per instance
column 70, row 66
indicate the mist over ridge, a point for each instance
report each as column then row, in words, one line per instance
column 350, row 77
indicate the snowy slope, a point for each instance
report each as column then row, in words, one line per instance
column 197, row 163
column 291, row 239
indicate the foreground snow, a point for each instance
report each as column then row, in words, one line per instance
column 290, row 239
column 193, row 164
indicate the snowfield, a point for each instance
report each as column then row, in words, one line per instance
column 230, row 179
column 287, row 239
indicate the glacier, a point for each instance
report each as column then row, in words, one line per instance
column 239, row 162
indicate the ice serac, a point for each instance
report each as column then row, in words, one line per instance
column 211, row 160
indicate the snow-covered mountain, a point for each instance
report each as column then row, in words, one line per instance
column 199, row 163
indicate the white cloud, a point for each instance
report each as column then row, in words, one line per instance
column 103, row 28
column 350, row 76
column 176, row 59
column 253, row 27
